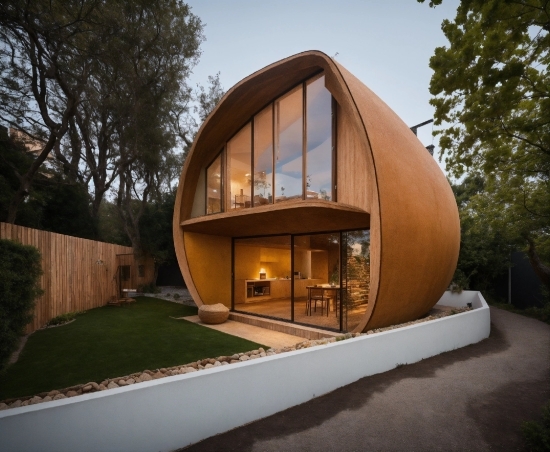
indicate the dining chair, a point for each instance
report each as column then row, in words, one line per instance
column 316, row 294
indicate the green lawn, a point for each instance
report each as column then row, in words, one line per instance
column 112, row 342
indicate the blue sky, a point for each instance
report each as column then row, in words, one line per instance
column 386, row 44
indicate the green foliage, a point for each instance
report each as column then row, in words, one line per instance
column 542, row 314
column 65, row 209
column 14, row 159
column 64, row 318
column 149, row 288
column 537, row 435
column 491, row 87
column 484, row 251
column 20, row 270
column 156, row 229
column 53, row 203
column 110, row 225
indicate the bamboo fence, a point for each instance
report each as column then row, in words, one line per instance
column 78, row 274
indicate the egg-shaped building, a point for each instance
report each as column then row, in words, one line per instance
column 305, row 198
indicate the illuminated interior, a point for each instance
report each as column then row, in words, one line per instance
column 267, row 157
column 308, row 284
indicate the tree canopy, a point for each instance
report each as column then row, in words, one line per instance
column 491, row 93
column 103, row 88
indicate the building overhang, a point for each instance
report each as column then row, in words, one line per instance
column 292, row 217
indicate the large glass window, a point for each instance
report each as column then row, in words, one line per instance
column 355, row 276
column 288, row 145
column 317, row 280
column 284, row 153
column 263, row 157
column 214, row 186
column 319, row 140
column 321, row 280
column 239, row 163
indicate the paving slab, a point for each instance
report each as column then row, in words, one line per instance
column 470, row 399
column 253, row 333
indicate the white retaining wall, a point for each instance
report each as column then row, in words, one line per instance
column 173, row 412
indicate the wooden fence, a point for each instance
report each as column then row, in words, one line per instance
column 78, row 274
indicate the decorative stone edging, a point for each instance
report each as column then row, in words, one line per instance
column 208, row 363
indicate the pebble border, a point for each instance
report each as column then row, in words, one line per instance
column 147, row 375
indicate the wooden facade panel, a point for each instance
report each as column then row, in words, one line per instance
column 78, row 274
column 383, row 172
column 209, row 260
column 354, row 180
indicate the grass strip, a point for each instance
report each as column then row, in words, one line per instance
column 112, row 342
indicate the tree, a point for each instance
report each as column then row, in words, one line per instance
column 54, row 203
column 125, row 114
column 45, row 53
column 491, row 86
column 484, row 252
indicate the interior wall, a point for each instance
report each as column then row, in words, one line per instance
column 209, row 260
column 319, row 266
column 199, row 202
column 302, row 262
column 250, row 259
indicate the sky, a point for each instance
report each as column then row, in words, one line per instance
column 386, row 44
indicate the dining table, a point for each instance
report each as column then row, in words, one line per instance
column 332, row 290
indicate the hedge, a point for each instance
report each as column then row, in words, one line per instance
column 20, row 270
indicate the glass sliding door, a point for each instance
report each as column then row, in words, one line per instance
column 355, row 277
column 317, row 279
column 239, row 160
column 289, row 145
column 319, row 140
column 263, row 157
column 262, row 277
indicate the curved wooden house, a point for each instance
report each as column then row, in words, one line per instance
column 306, row 198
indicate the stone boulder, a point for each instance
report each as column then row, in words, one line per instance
column 213, row 314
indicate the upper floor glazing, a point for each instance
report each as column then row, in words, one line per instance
column 284, row 152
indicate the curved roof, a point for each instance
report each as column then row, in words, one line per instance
column 415, row 230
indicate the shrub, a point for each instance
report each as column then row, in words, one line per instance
column 537, row 436
column 20, row 272
column 149, row 288
column 64, row 318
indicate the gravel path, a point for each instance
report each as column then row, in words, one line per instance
column 168, row 292
column 471, row 399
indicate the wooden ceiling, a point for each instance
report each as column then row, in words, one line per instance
column 293, row 217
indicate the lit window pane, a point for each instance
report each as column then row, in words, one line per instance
column 214, row 186
column 239, row 168
column 263, row 157
column 355, row 276
column 319, row 140
column 288, row 146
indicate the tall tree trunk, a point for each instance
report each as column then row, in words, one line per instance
column 130, row 216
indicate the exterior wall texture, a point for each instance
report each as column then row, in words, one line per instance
column 382, row 170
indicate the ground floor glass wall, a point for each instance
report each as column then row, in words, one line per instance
column 262, row 271
column 320, row 280
column 355, row 280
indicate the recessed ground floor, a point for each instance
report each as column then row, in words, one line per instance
column 317, row 316
column 321, row 279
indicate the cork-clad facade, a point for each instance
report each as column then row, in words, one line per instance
column 305, row 198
